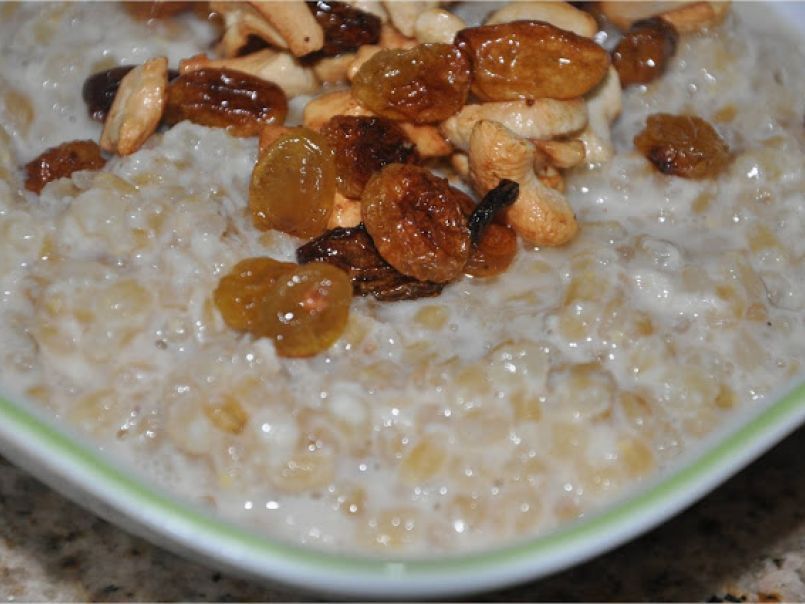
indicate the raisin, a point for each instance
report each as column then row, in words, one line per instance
column 308, row 310
column 644, row 51
column 225, row 98
column 531, row 60
column 352, row 250
column 99, row 90
column 61, row 162
column 683, row 145
column 416, row 221
column 362, row 146
column 494, row 252
column 345, row 28
column 425, row 84
column 497, row 199
column 293, row 185
column 242, row 293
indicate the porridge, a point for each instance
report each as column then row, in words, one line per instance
column 488, row 408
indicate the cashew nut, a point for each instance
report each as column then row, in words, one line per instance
column 541, row 119
column 391, row 37
column 685, row 16
column 295, row 23
column 137, row 107
column 373, row 7
column 541, row 215
column 429, row 142
column 346, row 212
column 332, row 70
column 560, row 154
column 560, row 14
column 240, row 21
column 697, row 16
column 460, row 164
column 278, row 67
column 603, row 106
column 437, row 25
column 403, row 13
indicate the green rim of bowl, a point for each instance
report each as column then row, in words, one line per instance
column 634, row 514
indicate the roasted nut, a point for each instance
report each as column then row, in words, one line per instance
column 426, row 84
column 404, row 14
column 603, row 106
column 61, row 162
column 429, row 142
column 225, row 99
column 352, row 250
column 99, row 90
column 363, row 145
column 417, row 222
column 684, row 16
column 644, row 51
column 561, row 154
column 346, row 212
column 560, row 14
column 697, row 16
column 137, row 108
column 295, row 23
column 531, row 60
column 537, row 119
column 241, row 21
column 331, row 70
column 279, row 68
column 346, row 28
column 437, row 25
column 541, row 215
column 683, row 145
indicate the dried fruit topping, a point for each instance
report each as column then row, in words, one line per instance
column 497, row 199
column 345, row 28
column 494, row 252
column 241, row 294
column 644, row 51
column 62, row 161
column 137, row 109
column 100, row 89
column 225, row 98
column 352, row 250
column 683, row 145
column 293, row 184
column 362, row 146
column 417, row 223
column 425, row 84
column 531, row 60
column 308, row 310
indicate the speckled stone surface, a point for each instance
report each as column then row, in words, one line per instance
column 744, row 541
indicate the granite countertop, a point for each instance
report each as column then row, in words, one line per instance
column 744, row 541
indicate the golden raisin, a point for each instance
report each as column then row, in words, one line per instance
column 531, row 60
column 346, row 28
column 352, row 250
column 644, row 51
column 308, row 310
column 416, row 221
column 293, row 185
column 362, row 146
column 425, row 84
column 225, row 98
column 683, row 145
column 61, row 162
column 242, row 293
column 494, row 253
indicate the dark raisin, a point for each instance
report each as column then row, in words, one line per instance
column 353, row 250
column 497, row 199
column 345, row 28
